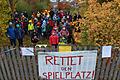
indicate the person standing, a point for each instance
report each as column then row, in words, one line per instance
column 79, row 16
column 64, row 33
column 30, row 27
column 11, row 34
column 75, row 17
column 43, row 28
column 25, row 25
column 34, row 38
column 51, row 14
column 54, row 40
column 19, row 34
column 70, row 37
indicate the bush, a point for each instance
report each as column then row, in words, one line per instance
column 22, row 5
column 42, row 5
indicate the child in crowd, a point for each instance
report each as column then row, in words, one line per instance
column 54, row 40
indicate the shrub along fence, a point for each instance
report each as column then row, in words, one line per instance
column 13, row 66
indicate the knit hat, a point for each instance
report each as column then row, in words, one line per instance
column 18, row 25
column 10, row 23
column 63, row 28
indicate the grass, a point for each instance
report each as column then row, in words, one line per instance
column 4, row 41
column 27, row 41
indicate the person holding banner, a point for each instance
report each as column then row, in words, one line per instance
column 54, row 40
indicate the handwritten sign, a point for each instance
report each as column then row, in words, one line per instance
column 106, row 51
column 26, row 51
column 67, row 65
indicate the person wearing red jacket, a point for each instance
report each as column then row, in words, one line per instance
column 54, row 40
column 51, row 23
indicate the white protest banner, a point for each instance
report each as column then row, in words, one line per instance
column 68, row 65
column 106, row 51
column 27, row 51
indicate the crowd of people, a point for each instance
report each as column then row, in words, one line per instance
column 55, row 25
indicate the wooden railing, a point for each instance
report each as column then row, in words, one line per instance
column 13, row 66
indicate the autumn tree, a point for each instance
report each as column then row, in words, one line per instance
column 103, row 22
column 102, row 1
column 5, row 13
column 64, row 5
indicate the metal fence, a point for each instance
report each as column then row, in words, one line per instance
column 13, row 66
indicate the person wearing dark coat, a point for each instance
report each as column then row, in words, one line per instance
column 51, row 13
column 75, row 17
column 25, row 14
column 79, row 16
column 11, row 34
column 34, row 37
column 19, row 34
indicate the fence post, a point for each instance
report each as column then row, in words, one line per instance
column 1, row 75
column 4, row 66
column 16, row 67
column 113, row 64
column 118, row 77
column 98, row 65
column 14, row 60
column 30, row 67
column 20, row 64
column 35, row 68
column 10, row 63
column 25, row 67
column 117, row 68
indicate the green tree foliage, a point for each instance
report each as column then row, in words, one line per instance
column 29, row 5
column 22, row 5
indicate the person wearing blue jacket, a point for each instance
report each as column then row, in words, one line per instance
column 19, row 34
column 11, row 34
column 43, row 28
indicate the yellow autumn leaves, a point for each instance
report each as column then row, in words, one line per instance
column 104, row 23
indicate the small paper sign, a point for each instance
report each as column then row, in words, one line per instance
column 65, row 48
column 27, row 51
column 106, row 51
